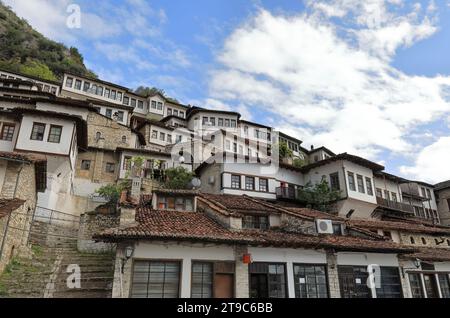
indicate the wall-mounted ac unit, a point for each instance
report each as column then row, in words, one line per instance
column 324, row 226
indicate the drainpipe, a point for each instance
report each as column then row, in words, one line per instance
column 9, row 216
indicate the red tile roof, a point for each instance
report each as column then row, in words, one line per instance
column 198, row 227
column 404, row 225
column 26, row 157
column 430, row 254
column 237, row 205
column 9, row 205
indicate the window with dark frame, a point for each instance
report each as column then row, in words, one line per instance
column 54, row 135
column 156, row 279
column 379, row 193
column 258, row 222
column 310, row 281
column 69, row 82
column 202, row 280
column 416, row 285
column 78, row 84
column 369, row 186
column 334, row 181
column 110, row 167
column 267, row 280
column 249, row 183
column 235, row 182
column 351, row 181
column 7, row 132
column 41, row 176
column 85, row 165
column 360, row 181
column 37, row 132
column 263, row 185
column 444, row 283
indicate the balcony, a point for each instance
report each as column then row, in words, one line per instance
column 394, row 205
column 286, row 193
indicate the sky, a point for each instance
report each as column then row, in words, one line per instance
column 366, row 77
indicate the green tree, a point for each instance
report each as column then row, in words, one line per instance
column 111, row 192
column 38, row 69
column 283, row 150
column 299, row 162
column 319, row 196
column 178, row 178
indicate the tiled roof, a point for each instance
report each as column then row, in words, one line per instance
column 9, row 205
column 430, row 254
column 442, row 185
column 26, row 157
column 176, row 191
column 198, row 227
column 237, row 204
column 314, row 214
column 344, row 156
column 403, row 225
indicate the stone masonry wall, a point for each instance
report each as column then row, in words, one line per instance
column 111, row 133
column 91, row 224
column 19, row 183
column 333, row 277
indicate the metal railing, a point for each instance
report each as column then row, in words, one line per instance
column 50, row 216
column 395, row 205
column 286, row 193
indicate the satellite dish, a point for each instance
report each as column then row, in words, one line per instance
column 196, row 182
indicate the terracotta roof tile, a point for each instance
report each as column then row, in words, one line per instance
column 198, row 227
column 237, row 204
column 9, row 205
column 403, row 225
column 27, row 157
column 431, row 254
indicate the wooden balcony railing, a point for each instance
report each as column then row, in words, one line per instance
column 286, row 193
column 395, row 205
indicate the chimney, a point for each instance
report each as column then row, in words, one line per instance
column 312, row 147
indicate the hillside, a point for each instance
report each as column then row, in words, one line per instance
column 22, row 49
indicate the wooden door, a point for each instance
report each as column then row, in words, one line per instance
column 224, row 286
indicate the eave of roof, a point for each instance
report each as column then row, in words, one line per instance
column 22, row 157
column 442, row 185
column 283, row 135
column 32, row 77
column 195, row 110
column 344, row 156
column 144, row 151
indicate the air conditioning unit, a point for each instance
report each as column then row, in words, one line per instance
column 324, row 226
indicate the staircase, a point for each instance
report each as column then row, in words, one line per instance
column 44, row 273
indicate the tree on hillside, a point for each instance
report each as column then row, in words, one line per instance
column 319, row 196
column 150, row 91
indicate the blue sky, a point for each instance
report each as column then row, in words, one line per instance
column 370, row 78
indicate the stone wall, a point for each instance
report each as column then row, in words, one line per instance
column 111, row 133
column 443, row 206
column 97, row 172
column 430, row 241
column 20, row 183
column 91, row 224
column 241, row 273
column 333, row 276
column 122, row 281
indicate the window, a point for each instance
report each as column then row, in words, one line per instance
column 93, row 89
column 227, row 145
column 175, row 112
column 140, row 104
column 169, row 138
column 169, row 111
column 86, row 86
column 379, row 193
column 412, row 240
column 310, row 281
column 202, row 280
column 181, row 114
column 205, row 121
column 85, row 164
column 179, row 138
column 445, row 285
column 233, row 123
column 337, row 229
column 334, row 181
column 110, row 167
column 255, row 222
column 107, row 92
column 53, row 90
column 424, row 241
column 113, row 95
column 98, row 135
column 154, row 134
column 109, row 113
column 416, row 285
column 47, row 88
column 360, row 183
column 267, row 280
column 54, row 135
column 241, row 150
column 99, row 91
column 394, row 196
column 369, row 186
column 227, row 123
column 351, row 181
column 246, row 130
column 387, row 195
column 153, row 104
column 235, row 182
column 78, row 84
column 127, row 163
column 428, row 193
column 124, row 139
column 162, row 136
column 69, row 82
column 120, row 115
column 156, row 279
column 235, row 147
column 37, row 132
column 220, row 122
column 212, row 120
column 7, row 132
column 126, row 100
column 263, row 185
column 249, row 183
column 390, row 283
column 179, row 204
column 133, row 103
column 160, row 106
column 119, row 96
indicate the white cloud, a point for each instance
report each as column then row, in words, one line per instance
column 432, row 163
column 333, row 82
